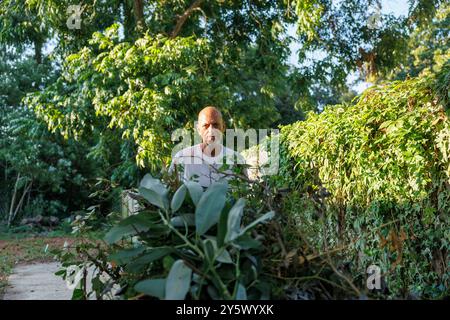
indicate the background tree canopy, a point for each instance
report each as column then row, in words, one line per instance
column 137, row 70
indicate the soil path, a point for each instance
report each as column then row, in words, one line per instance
column 36, row 282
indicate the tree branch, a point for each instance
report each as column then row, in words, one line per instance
column 19, row 205
column 13, row 200
column 182, row 19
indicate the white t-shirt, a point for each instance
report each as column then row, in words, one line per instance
column 199, row 167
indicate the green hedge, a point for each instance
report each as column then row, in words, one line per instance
column 386, row 161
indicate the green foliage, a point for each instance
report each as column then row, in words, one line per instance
column 116, row 92
column 172, row 257
column 51, row 167
column 36, row 22
column 342, row 37
column 308, row 17
column 344, row 41
column 442, row 86
column 37, row 166
column 385, row 161
column 384, row 140
column 428, row 45
column 147, row 89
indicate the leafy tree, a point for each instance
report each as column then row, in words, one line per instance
column 39, row 168
column 428, row 46
column 354, row 36
column 166, row 76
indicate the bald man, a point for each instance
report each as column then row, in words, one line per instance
column 202, row 162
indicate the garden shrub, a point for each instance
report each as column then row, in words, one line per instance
column 192, row 245
column 385, row 161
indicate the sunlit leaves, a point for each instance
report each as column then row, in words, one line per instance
column 136, row 86
column 381, row 148
column 309, row 14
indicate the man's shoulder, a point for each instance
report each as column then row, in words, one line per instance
column 184, row 156
column 230, row 153
column 187, row 152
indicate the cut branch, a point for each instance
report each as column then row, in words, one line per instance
column 182, row 19
column 13, row 200
column 13, row 215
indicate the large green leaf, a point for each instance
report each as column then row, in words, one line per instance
column 241, row 293
column 178, row 281
column 151, row 255
column 152, row 287
column 212, row 251
column 132, row 225
column 118, row 232
column 182, row 220
column 246, row 242
column 178, row 198
column 263, row 218
column 195, row 191
column 222, row 225
column 143, row 218
column 209, row 207
column 124, row 256
column 224, row 257
column 234, row 221
column 154, row 191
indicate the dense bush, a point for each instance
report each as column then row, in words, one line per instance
column 385, row 161
column 191, row 245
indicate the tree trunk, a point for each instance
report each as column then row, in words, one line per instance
column 128, row 25
column 139, row 15
column 38, row 51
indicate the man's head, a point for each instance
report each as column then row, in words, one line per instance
column 210, row 125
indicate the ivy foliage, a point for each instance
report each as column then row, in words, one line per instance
column 386, row 139
column 385, row 161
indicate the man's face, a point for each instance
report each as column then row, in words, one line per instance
column 210, row 126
